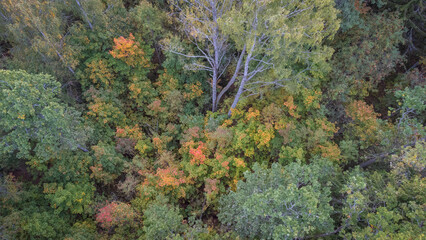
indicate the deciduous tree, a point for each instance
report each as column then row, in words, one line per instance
column 35, row 124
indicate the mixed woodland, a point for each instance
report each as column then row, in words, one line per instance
column 212, row 119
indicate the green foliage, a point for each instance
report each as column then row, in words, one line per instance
column 69, row 166
column 35, row 124
column 76, row 198
column 411, row 108
column 150, row 20
column 82, row 230
column 28, row 216
column 196, row 230
column 108, row 164
column 324, row 137
column 412, row 12
column 366, row 55
column 36, row 28
column 294, row 44
column 161, row 221
column 43, row 225
column 196, row 102
column 280, row 203
column 382, row 204
column 410, row 162
column 349, row 150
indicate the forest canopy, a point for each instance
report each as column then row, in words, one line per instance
column 212, row 119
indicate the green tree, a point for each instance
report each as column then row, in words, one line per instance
column 383, row 205
column 73, row 197
column 280, row 203
column 365, row 55
column 284, row 37
column 412, row 12
column 161, row 221
column 267, row 35
column 69, row 166
column 35, row 125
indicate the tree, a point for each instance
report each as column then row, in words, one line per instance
column 200, row 24
column 283, row 37
column 312, row 133
column 115, row 214
column 35, row 124
column 76, row 198
column 108, row 164
column 365, row 54
column 265, row 34
column 412, row 12
column 162, row 221
column 387, row 204
column 37, row 24
column 280, row 203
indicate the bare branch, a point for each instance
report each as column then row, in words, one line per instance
column 85, row 14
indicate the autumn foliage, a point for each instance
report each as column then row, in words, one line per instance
column 115, row 213
column 129, row 51
column 212, row 119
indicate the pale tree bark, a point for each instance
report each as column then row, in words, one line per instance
column 56, row 51
column 266, row 28
column 234, row 76
column 85, row 14
column 249, row 74
column 200, row 21
column 261, row 32
column 243, row 81
column 260, row 41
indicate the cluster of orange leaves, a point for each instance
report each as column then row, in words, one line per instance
column 252, row 114
column 361, row 7
column 359, row 110
column 219, row 167
column 129, row 51
column 211, row 188
column 263, row 137
column 168, row 180
column 327, row 126
column 156, row 106
column 198, row 156
column 239, row 162
column 330, row 151
column 158, row 143
column 313, row 100
column 224, row 164
column 135, row 90
column 102, row 111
